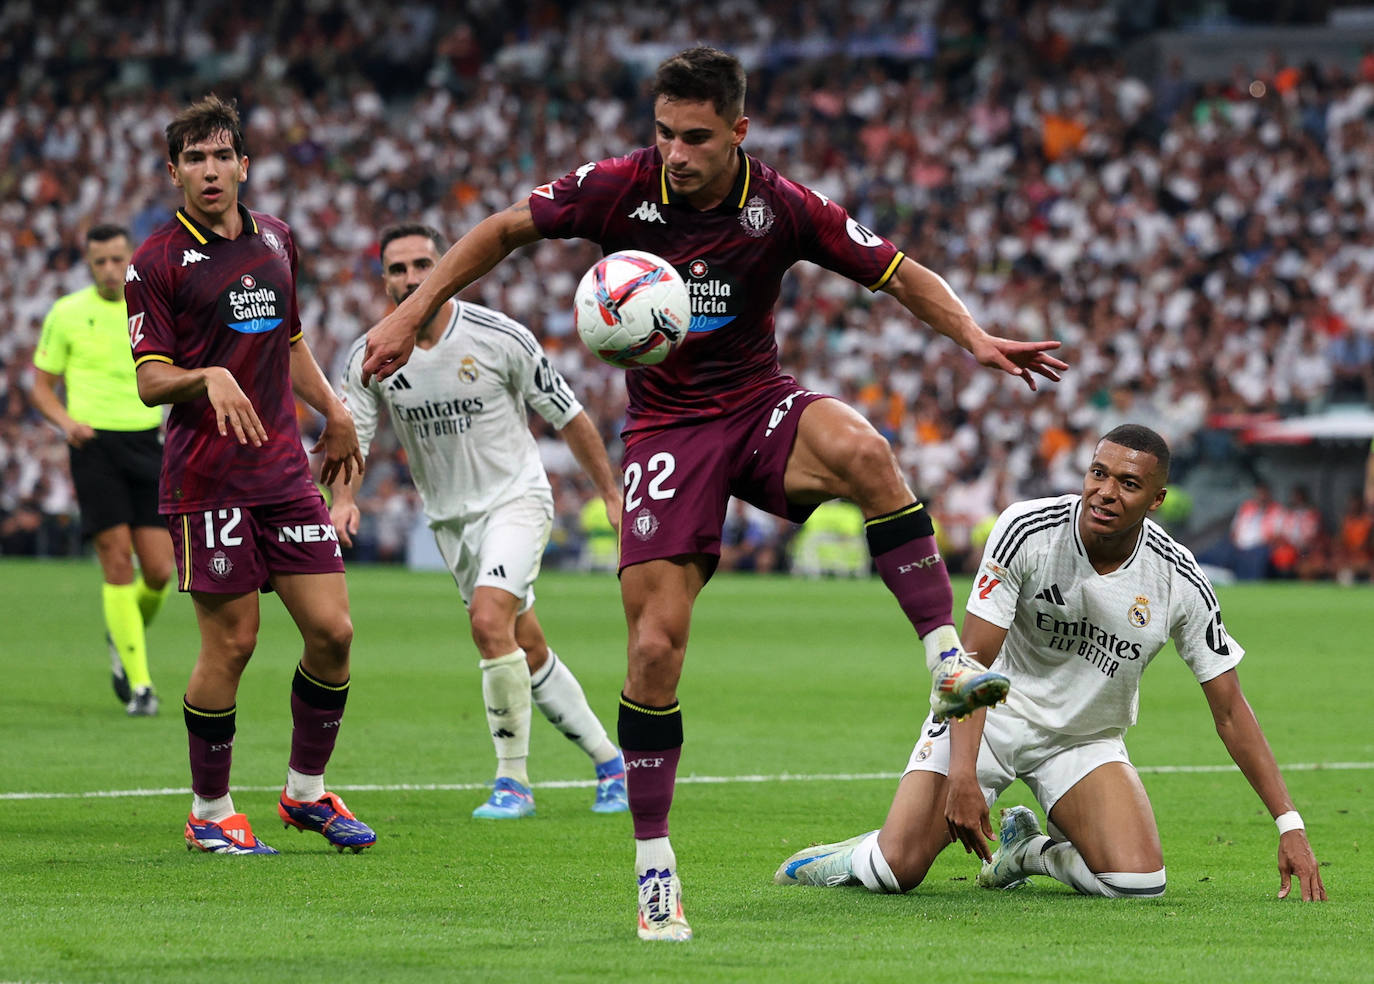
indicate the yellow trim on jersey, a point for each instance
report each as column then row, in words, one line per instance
column 656, row 712
column 891, row 269
column 744, row 193
column 152, row 358
column 663, row 184
column 879, row 520
column 185, row 552
column 191, row 228
column 252, row 220
column 297, row 336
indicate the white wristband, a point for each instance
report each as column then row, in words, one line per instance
column 1291, row 820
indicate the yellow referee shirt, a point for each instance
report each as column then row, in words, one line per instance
column 86, row 341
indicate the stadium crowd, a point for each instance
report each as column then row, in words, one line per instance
column 1200, row 249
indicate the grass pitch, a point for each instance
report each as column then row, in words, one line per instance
column 801, row 700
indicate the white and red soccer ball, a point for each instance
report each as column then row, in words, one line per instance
column 632, row 309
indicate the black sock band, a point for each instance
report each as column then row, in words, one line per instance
column 649, row 729
column 890, row 530
column 213, row 726
column 317, row 693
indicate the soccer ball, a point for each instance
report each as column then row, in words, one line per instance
column 632, row 309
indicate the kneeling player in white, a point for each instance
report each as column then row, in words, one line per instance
column 1074, row 597
column 458, row 409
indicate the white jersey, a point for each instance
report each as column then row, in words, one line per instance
column 458, row 409
column 1078, row 641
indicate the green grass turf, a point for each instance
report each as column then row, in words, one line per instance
column 783, row 677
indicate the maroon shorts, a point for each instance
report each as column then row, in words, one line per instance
column 678, row 481
column 236, row 549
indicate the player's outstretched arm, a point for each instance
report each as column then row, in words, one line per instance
column 161, row 382
column 966, row 811
column 1240, row 732
column 343, row 506
column 925, row 294
column 486, row 244
column 339, row 442
column 585, row 443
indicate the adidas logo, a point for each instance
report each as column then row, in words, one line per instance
column 399, row 382
column 1052, row 595
column 189, row 256
column 502, row 733
column 237, row 834
column 498, row 571
column 648, row 212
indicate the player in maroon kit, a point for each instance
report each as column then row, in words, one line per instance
column 718, row 417
column 216, row 333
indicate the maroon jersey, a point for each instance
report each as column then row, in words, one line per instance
column 732, row 258
column 196, row 299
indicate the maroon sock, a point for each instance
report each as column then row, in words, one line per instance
column 651, row 741
column 649, row 781
column 316, row 711
column 210, row 735
column 908, row 560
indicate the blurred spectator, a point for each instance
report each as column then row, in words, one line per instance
column 751, row 540
column 1255, row 530
column 1300, row 531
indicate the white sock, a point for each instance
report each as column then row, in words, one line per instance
column 871, row 868
column 304, row 788
column 1062, row 862
column 559, row 698
column 655, row 853
column 217, row 809
column 941, row 640
column 506, row 694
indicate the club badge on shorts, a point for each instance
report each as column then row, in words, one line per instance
column 644, row 525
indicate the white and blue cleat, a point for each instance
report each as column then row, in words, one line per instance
column 1020, row 830
column 611, row 795
column 509, row 800
column 825, row 865
column 960, row 685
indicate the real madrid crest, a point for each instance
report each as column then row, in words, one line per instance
column 1139, row 613
column 467, row 369
column 645, row 524
column 756, row 217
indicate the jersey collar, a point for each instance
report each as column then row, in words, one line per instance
column 739, row 192
column 203, row 234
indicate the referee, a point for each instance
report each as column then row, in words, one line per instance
column 116, row 455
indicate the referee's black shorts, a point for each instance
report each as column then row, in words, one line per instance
column 116, row 474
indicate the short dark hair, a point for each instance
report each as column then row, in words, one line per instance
column 106, row 231
column 1138, row 437
column 704, row 74
column 202, row 120
column 404, row 229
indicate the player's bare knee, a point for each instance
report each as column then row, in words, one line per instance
column 327, row 645
column 492, row 632
column 871, row 471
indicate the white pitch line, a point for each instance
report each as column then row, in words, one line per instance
column 448, row 787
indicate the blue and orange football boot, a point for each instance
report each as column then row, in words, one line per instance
column 232, row 835
column 328, row 816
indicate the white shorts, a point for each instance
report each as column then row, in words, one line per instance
column 503, row 549
column 1013, row 748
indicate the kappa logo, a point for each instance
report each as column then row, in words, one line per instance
column 583, row 171
column 648, row 212
column 130, row 275
column 189, row 256
column 1052, row 595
